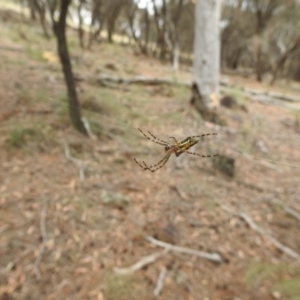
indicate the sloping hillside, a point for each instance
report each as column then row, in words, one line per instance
column 72, row 208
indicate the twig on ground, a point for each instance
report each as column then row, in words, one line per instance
column 255, row 227
column 215, row 257
column 180, row 192
column 160, row 281
column 44, row 241
column 140, row 264
column 88, row 129
column 287, row 209
column 79, row 164
column 275, row 242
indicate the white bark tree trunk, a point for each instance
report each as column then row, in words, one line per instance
column 206, row 66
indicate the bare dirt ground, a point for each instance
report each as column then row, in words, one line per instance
column 61, row 236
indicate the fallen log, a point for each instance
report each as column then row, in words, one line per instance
column 260, row 96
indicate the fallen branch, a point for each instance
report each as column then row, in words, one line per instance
column 276, row 243
column 179, row 191
column 272, row 95
column 287, row 209
column 140, row 80
column 140, row 264
column 160, row 282
column 44, row 241
column 262, row 97
column 79, row 164
column 255, row 227
column 215, row 257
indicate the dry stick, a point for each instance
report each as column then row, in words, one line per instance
column 79, row 164
column 160, row 281
column 44, row 241
column 215, row 257
column 255, row 227
column 180, row 192
column 279, row 245
column 287, row 209
column 88, row 129
column 140, row 264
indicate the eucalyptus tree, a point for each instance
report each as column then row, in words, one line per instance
column 206, row 64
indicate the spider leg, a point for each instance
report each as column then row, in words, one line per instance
column 161, row 142
column 165, row 157
column 172, row 137
column 145, row 167
column 160, row 164
column 194, row 153
column 157, row 138
column 139, row 163
column 205, row 134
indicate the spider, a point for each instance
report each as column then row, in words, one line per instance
column 178, row 148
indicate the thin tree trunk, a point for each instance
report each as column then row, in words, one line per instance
column 40, row 7
column 96, row 16
column 147, row 30
column 294, row 45
column 80, row 29
column 59, row 28
column 258, row 64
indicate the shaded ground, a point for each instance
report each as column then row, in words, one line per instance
column 61, row 237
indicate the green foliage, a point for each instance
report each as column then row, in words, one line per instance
column 290, row 287
column 250, row 132
column 16, row 137
column 259, row 273
column 297, row 120
column 26, row 95
column 61, row 104
column 19, row 136
column 118, row 287
column 35, row 54
column 38, row 136
column 97, row 128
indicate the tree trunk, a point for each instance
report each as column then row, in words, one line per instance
column 96, row 17
column 59, row 28
column 32, row 10
column 206, row 65
column 80, row 23
column 40, row 7
column 294, row 45
column 112, row 12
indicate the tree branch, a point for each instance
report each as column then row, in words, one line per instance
column 255, row 227
column 140, row 264
column 215, row 257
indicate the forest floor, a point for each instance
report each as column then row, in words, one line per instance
column 65, row 225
